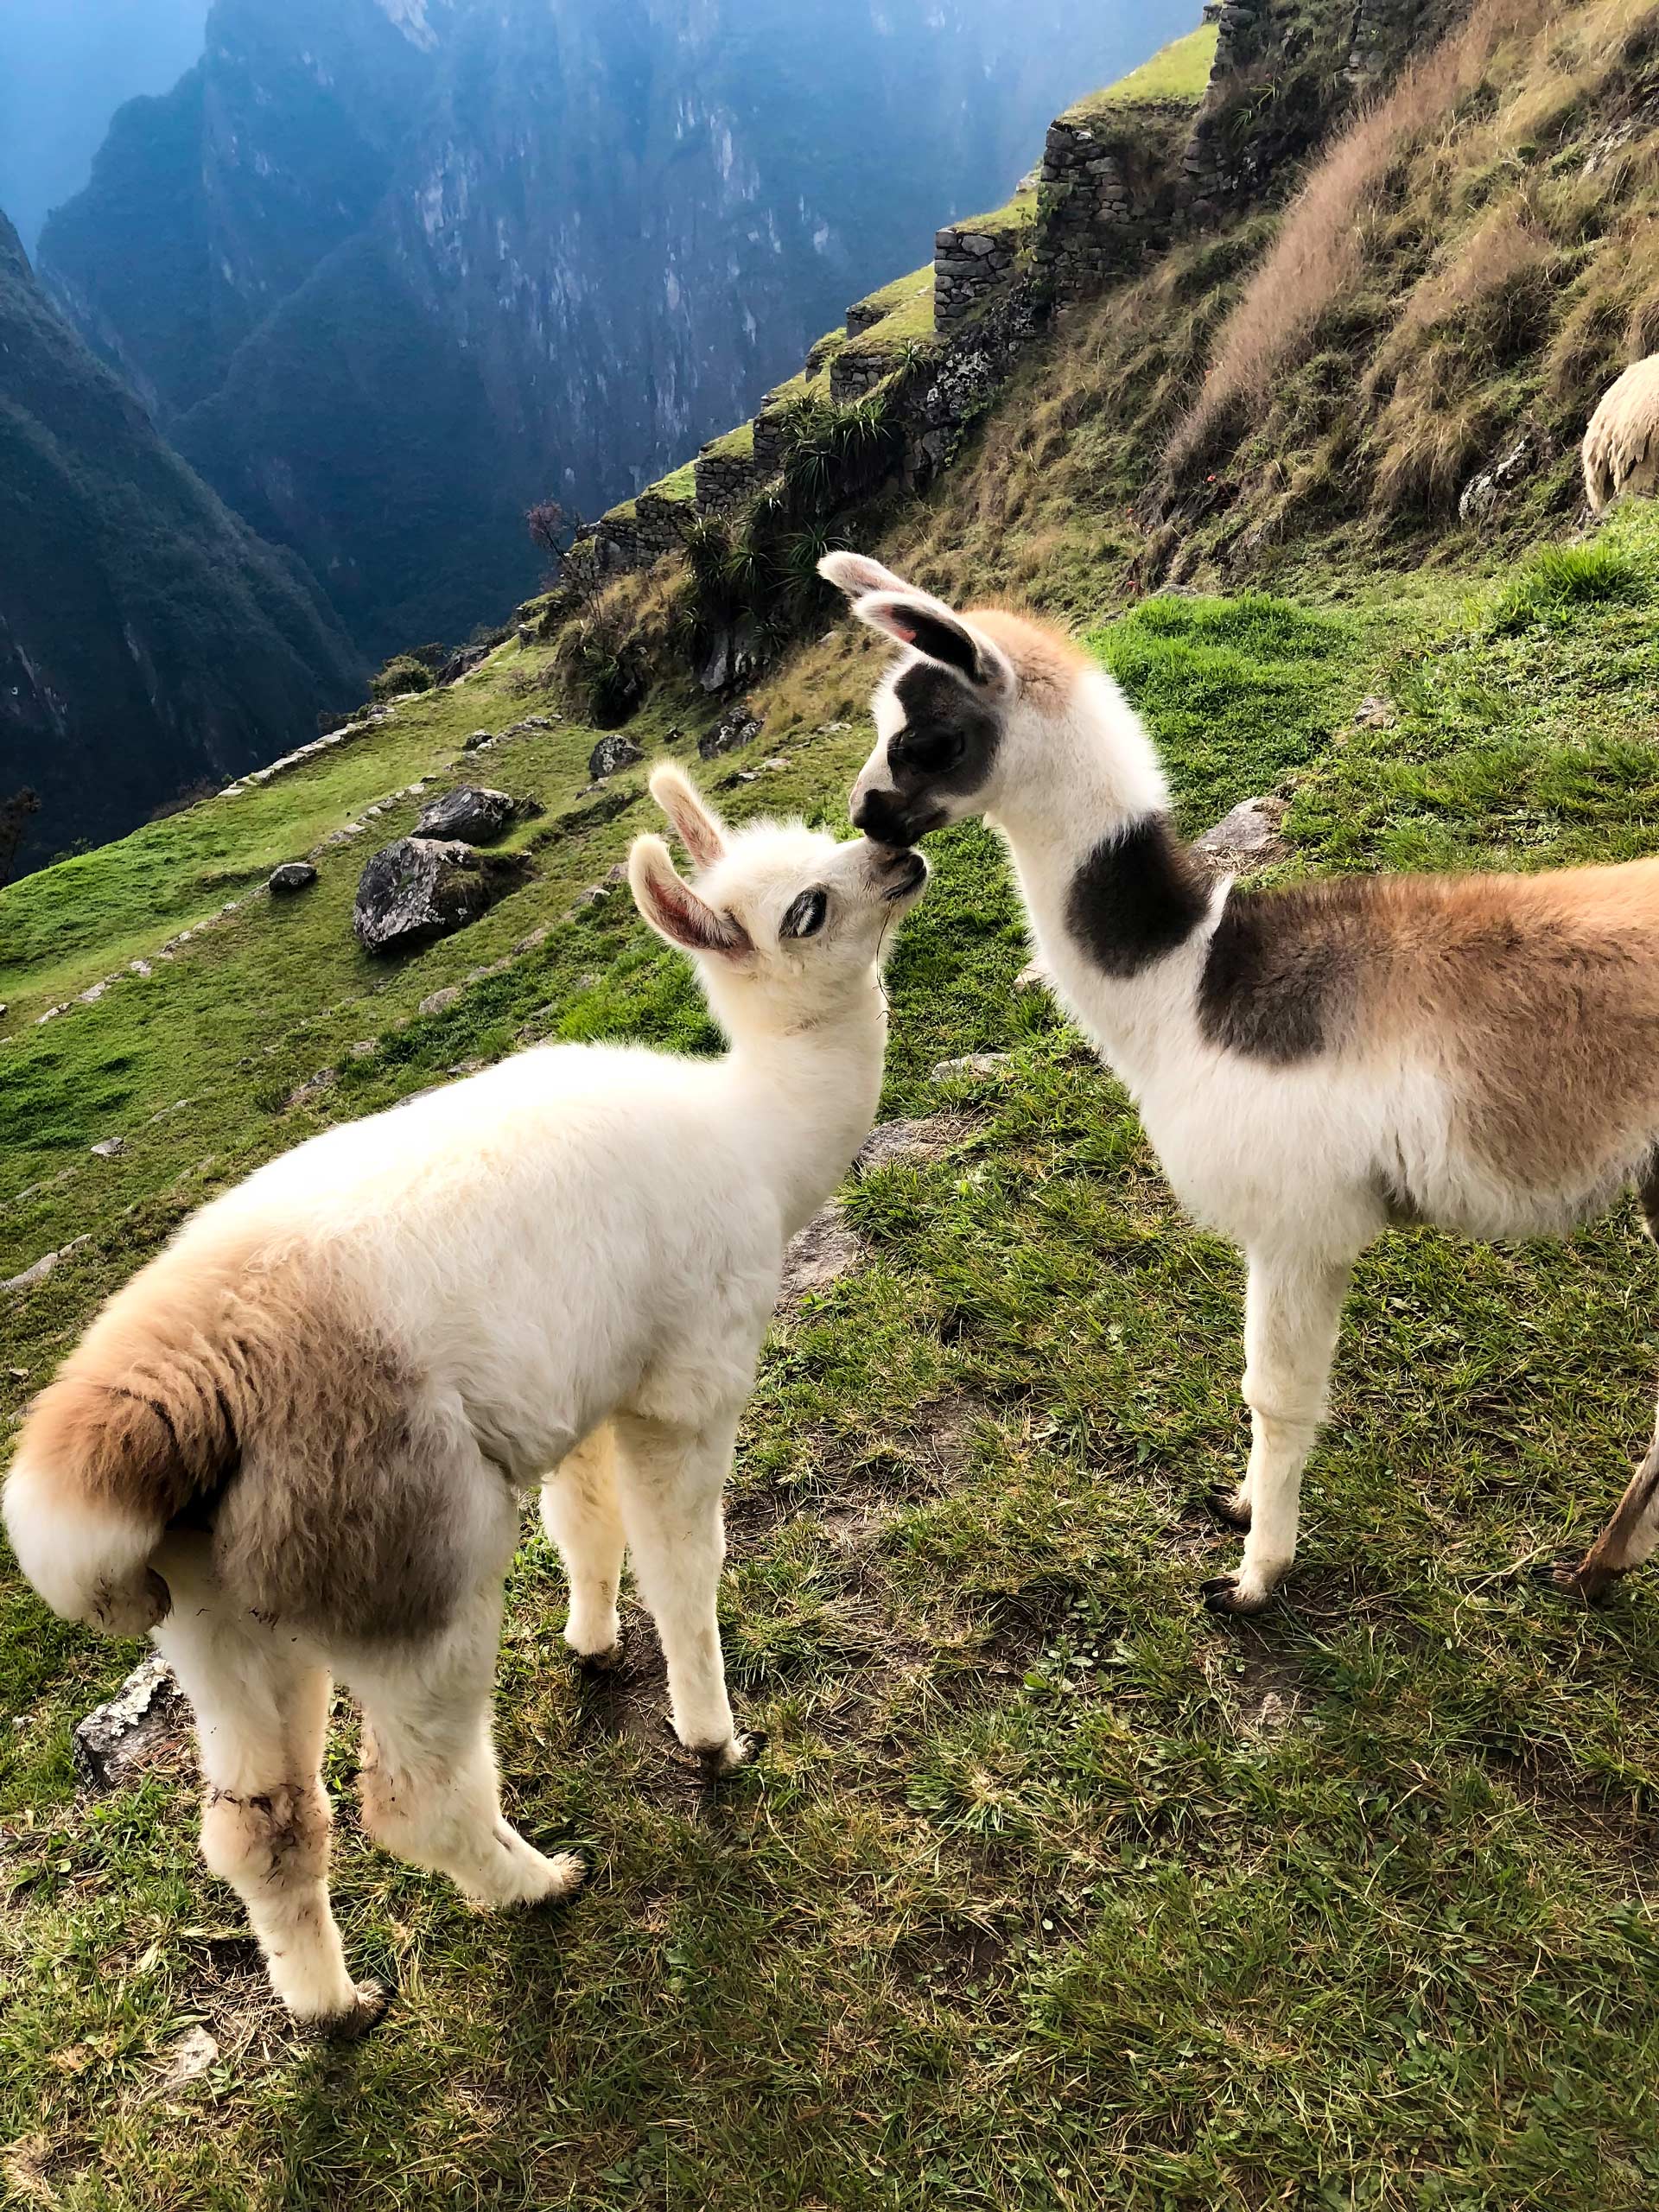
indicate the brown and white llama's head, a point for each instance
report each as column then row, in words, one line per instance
column 786, row 926
column 982, row 709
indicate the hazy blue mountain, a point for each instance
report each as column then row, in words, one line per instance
column 66, row 66
column 148, row 639
column 387, row 269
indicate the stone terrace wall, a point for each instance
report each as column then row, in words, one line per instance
column 1086, row 209
column 969, row 266
column 724, row 480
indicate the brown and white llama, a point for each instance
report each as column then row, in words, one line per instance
column 1311, row 1063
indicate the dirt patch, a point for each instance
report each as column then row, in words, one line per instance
column 628, row 1703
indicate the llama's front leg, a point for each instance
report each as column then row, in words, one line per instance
column 581, row 1515
column 1293, row 1308
column 671, row 1480
column 1631, row 1537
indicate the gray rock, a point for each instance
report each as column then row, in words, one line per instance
column 43, row 1266
column 110, row 1147
column 827, row 1248
column 923, row 1138
column 292, row 875
column 148, row 1713
column 473, row 812
column 419, row 889
column 740, row 727
column 1375, row 712
column 439, row 1001
column 1249, row 833
column 1034, row 976
column 187, row 2058
column 969, row 1064
column 478, row 738
column 611, row 753
column 1484, row 494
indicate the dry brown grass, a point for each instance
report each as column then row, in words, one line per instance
column 1322, row 243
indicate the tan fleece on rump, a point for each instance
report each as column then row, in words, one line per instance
column 253, row 1395
column 1540, row 996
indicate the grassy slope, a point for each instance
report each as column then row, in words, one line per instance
column 1050, row 1890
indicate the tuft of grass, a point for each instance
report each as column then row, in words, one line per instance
column 1176, row 74
column 1558, row 580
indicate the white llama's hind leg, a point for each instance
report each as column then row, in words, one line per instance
column 1292, row 1309
column 671, row 1480
column 261, row 1705
column 581, row 1515
column 430, row 1791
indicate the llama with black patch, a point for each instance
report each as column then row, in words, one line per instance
column 1311, row 1063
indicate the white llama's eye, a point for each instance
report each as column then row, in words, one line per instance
column 805, row 917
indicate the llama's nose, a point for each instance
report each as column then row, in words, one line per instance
column 878, row 814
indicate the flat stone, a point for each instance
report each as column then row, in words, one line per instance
column 479, row 737
column 110, row 1147
column 968, row 1064
column 827, row 1248
column 1034, row 976
column 1250, row 832
column 1375, row 712
column 473, row 812
column 922, row 1138
column 291, row 876
column 43, row 1266
column 147, row 1714
column 438, row 1002
column 186, row 2059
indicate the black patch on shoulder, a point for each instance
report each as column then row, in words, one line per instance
column 1137, row 897
column 1283, row 971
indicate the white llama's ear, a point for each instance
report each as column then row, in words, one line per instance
column 855, row 573
column 915, row 618
column 701, row 830
column 673, row 908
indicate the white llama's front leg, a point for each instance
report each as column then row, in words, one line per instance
column 671, row 1480
column 581, row 1515
column 1292, row 1309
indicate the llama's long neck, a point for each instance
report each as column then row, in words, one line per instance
column 1119, row 908
column 808, row 1093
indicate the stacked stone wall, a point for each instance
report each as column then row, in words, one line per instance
column 970, row 268
column 1086, row 212
column 724, row 480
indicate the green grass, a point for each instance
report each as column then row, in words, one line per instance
column 679, row 484
column 1050, row 1891
column 887, row 299
column 1177, row 73
column 1019, row 213
column 734, row 445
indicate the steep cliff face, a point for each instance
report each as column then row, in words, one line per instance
column 147, row 639
column 388, row 269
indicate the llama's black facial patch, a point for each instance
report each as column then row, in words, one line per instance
column 1136, row 897
column 1283, row 971
column 943, row 752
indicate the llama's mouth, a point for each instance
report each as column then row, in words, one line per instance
column 915, row 877
column 885, row 820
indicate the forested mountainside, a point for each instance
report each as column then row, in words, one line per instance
column 388, row 269
column 149, row 641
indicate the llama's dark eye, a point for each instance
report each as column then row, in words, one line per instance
column 805, row 917
column 931, row 753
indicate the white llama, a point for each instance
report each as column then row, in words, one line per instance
column 1311, row 1064
column 293, row 1446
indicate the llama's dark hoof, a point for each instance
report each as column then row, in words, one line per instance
column 1565, row 1579
column 373, row 1999
column 1222, row 1594
column 1223, row 1506
column 599, row 1663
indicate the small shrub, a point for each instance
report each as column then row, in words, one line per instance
column 402, row 672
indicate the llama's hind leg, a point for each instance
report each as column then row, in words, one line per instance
column 1630, row 1537
column 430, row 1791
column 261, row 1714
column 581, row 1515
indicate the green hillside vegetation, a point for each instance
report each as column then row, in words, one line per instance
column 1052, row 1891
column 1050, row 1888
column 1177, row 73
